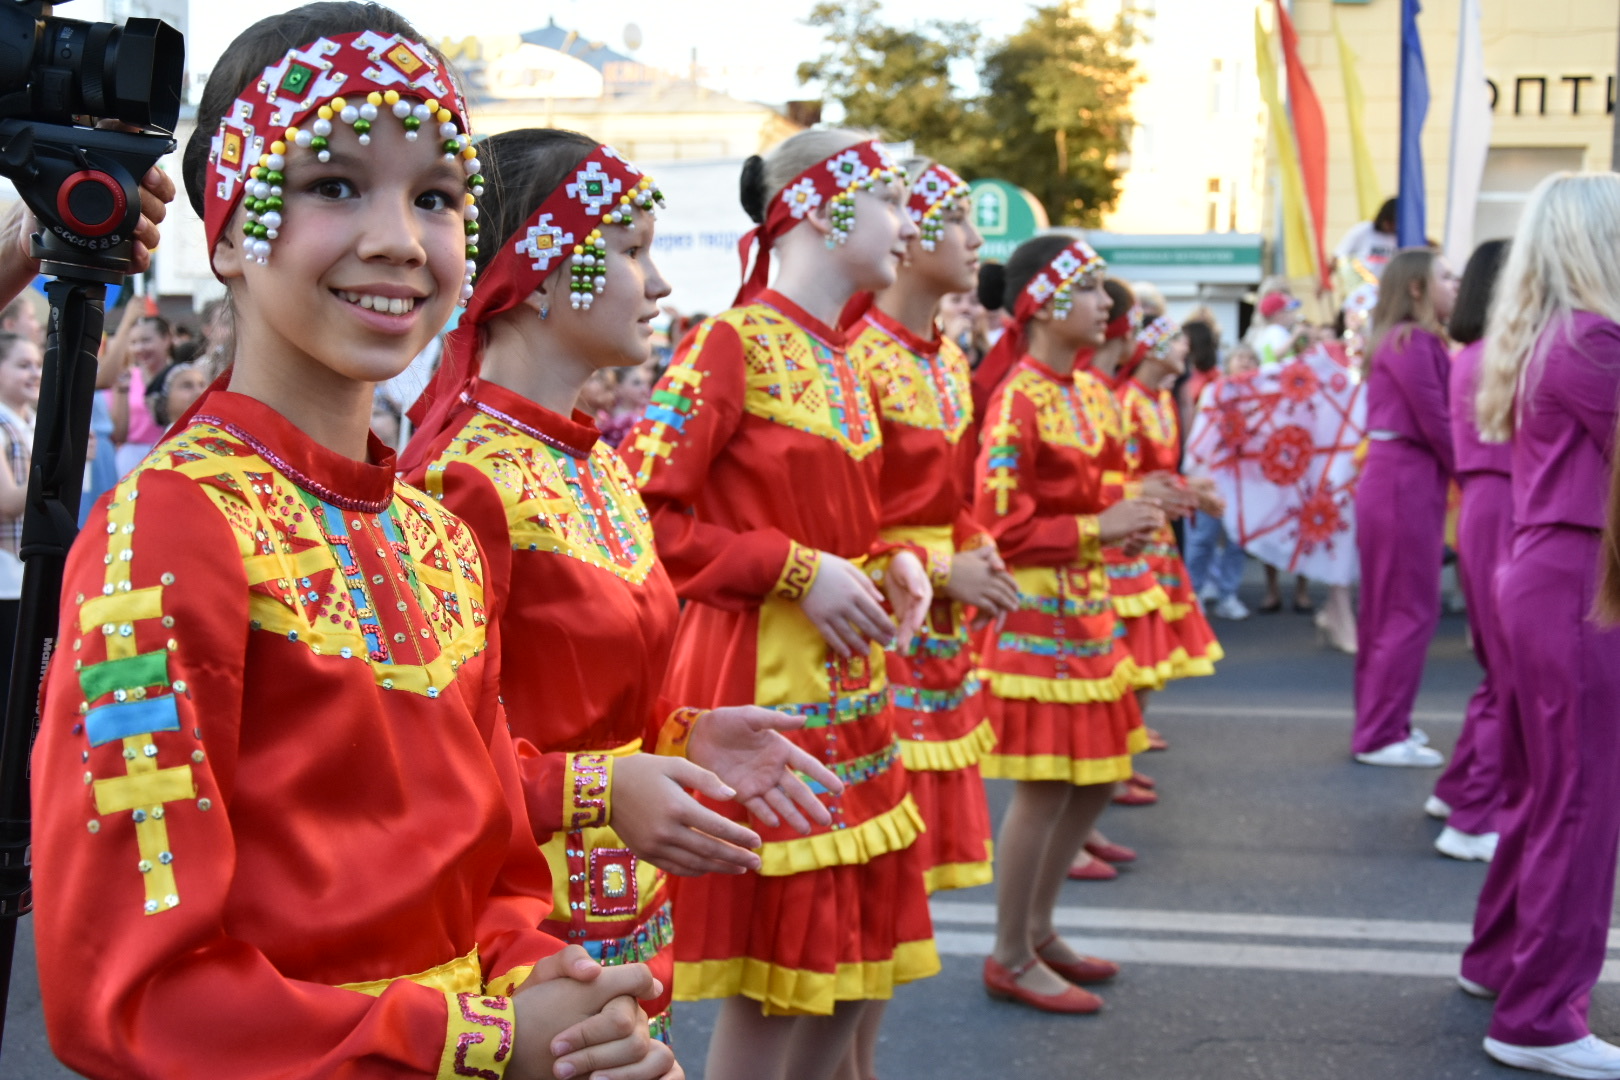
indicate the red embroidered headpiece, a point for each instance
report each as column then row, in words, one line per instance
column 1057, row 281
column 932, row 195
column 1123, row 324
column 1154, row 340
column 833, row 180
column 353, row 79
column 605, row 189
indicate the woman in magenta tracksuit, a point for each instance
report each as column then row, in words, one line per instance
column 1401, row 504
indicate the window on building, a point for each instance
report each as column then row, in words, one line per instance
column 1511, row 172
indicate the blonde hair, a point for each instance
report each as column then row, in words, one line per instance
column 1396, row 306
column 793, row 155
column 1562, row 260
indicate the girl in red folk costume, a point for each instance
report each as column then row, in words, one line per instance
column 280, row 830
column 1153, row 448
column 1060, row 680
column 760, row 461
column 569, row 289
column 922, row 385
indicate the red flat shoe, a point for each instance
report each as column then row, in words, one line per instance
column 1155, row 740
column 1002, row 984
column 1143, row 780
column 1131, row 795
column 1094, row 869
column 1082, row 972
column 1111, row 852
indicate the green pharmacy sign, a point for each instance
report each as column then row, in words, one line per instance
column 1006, row 215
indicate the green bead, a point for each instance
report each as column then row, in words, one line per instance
column 451, row 146
column 472, row 251
column 472, row 228
column 273, row 203
column 412, row 123
column 318, row 143
column 362, row 126
column 273, row 177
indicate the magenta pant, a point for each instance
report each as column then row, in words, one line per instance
column 1472, row 782
column 1543, row 921
column 1401, row 534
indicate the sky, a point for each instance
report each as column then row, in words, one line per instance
column 748, row 48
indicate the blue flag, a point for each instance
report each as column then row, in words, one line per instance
column 1411, row 220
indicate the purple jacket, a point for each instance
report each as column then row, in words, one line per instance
column 1565, row 437
column 1406, row 391
column 1472, row 455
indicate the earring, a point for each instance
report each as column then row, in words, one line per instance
column 545, row 310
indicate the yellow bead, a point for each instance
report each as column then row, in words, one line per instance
column 279, row 147
column 625, row 199
column 324, row 112
column 469, row 152
column 445, row 116
column 578, row 250
column 391, row 96
column 374, row 98
column 432, row 104
column 607, row 219
column 471, row 198
column 340, row 104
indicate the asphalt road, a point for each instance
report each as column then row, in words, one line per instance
column 1288, row 917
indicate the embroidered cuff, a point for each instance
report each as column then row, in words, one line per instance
column 674, row 738
column 798, row 573
column 1090, row 538
column 587, row 791
column 479, row 1036
column 938, row 564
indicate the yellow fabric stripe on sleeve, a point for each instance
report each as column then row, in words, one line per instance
column 479, row 1036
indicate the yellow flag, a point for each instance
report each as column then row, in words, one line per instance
column 1369, row 196
column 1299, row 251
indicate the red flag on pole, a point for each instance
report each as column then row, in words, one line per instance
column 1310, row 135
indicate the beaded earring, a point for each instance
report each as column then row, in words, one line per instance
column 587, row 272
column 854, row 175
column 939, row 198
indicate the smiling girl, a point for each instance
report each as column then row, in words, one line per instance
column 280, row 829
column 584, row 605
column 760, row 462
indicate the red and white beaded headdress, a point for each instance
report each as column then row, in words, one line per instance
column 932, row 195
column 354, row 79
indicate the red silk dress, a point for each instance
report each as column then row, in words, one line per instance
column 279, row 830
column 1139, row 599
column 1059, row 676
column 760, row 448
column 589, row 617
column 1153, row 444
column 925, row 406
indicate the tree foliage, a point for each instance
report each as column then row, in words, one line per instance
column 1053, row 115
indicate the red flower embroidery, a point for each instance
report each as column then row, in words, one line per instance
column 1287, row 454
column 1234, row 426
column 1297, row 382
column 1319, row 520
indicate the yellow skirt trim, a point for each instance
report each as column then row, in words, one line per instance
column 785, row 991
column 1124, row 679
column 1138, row 604
column 1069, row 770
column 962, row 875
column 1189, row 667
column 923, row 756
column 1175, row 612
column 893, row 830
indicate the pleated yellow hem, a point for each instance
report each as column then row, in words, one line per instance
column 785, row 991
column 1191, row 667
column 1056, row 767
column 893, row 830
column 921, row 755
column 1154, row 676
column 1124, row 679
column 1138, row 604
column 1174, row 612
column 962, row 875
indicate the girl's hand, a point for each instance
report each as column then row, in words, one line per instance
column 846, row 607
column 661, row 823
column 909, row 594
column 743, row 746
column 1167, row 490
column 1208, row 496
column 558, row 1015
column 980, row 579
column 618, row 1047
column 1124, row 520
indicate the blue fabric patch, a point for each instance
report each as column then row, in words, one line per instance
column 120, row 720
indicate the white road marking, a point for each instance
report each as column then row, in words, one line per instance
column 1282, row 712
column 1206, row 922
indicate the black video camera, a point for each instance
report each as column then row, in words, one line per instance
column 58, row 77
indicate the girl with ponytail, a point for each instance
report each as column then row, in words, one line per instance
column 569, row 288
column 280, row 830
column 760, row 462
column 1059, row 679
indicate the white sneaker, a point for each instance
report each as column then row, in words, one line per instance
column 1474, row 989
column 1418, row 736
column 1405, row 754
column 1584, row 1059
column 1467, row 847
column 1230, row 607
column 1209, row 593
column 1437, row 808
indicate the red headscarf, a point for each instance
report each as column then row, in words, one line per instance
column 1053, row 283
column 833, row 180
column 932, row 194
column 605, row 190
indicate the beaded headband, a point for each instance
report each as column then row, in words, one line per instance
column 353, row 79
column 1056, row 283
column 603, row 190
column 1156, row 337
column 833, row 180
column 934, row 193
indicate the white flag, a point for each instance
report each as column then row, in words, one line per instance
column 1470, row 137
